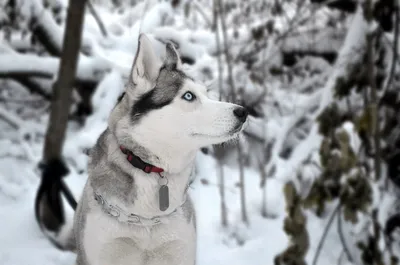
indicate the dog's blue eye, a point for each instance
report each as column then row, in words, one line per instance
column 188, row 96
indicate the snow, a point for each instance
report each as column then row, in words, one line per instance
column 12, row 64
column 22, row 130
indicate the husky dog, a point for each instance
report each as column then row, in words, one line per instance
column 135, row 208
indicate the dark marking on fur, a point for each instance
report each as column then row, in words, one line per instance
column 114, row 181
column 120, row 97
column 194, row 221
column 188, row 210
column 117, row 184
column 168, row 84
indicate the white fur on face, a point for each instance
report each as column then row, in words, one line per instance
column 194, row 124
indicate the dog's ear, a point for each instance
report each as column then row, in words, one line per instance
column 146, row 65
column 172, row 59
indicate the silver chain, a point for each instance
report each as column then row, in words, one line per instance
column 130, row 218
column 124, row 217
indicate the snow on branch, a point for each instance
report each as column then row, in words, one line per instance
column 97, row 18
column 49, row 33
column 351, row 52
column 45, row 28
column 32, row 65
column 32, row 84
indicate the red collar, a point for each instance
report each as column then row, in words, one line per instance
column 139, row 163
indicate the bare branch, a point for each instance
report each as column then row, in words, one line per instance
column 201, row 12
column 373, row 106
column 245, row 218
column 327, row 227
column 228, row 56
column 10, row 118
column 394, row 52
column 32, row 86
column 97, row 18
column 224, row 217
column 46, row 30
column 23, row 65
column 30, row 83
column 340, row 230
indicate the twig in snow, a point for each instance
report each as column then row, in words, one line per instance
column 11, row 119
column 345, row 248
column 395, row 52
column 245, row 218
column 146, row 7
column 266, row 156
column 224, row 217
column 233, row 98
column 221, row 186
column 321, row 242
column 201, row 12
column 228, row 56
column 263, row 176
column 31, row 85
column 375, row 130
column 45, row 29
column 217, row 37
column 97, row 18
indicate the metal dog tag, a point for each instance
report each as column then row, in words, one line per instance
column 163, row 197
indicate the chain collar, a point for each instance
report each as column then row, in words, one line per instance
column 131, row 218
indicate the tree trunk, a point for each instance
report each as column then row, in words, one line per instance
column 48, row 205
column 63, row 86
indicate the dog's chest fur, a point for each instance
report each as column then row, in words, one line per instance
column 103, row 239
column 108, row 241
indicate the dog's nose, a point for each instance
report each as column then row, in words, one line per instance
column 241, row 113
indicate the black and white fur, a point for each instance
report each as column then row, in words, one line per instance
column 164, row 117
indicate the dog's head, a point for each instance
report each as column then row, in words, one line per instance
column 163, row 107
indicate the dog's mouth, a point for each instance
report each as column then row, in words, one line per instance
column 204, row 135
column 237, row 129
